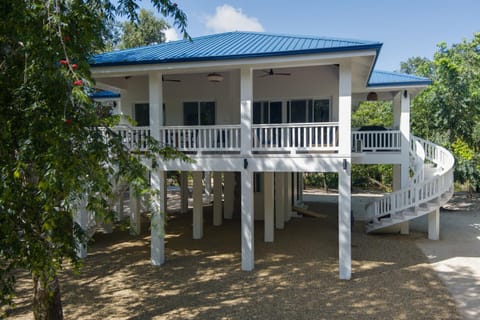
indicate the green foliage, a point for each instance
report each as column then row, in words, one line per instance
column 448, row 112
column 378, row 177
column 55, row 147
column 325, row 180
column 373, row 113
column 417, row 65
column 148, row 30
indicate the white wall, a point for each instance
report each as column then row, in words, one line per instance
column 311, row 82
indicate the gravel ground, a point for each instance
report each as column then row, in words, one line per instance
column 296, row 277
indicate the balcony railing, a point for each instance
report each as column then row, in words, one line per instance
column 376, row 141
column 202, row 138
column 285, row 138
column 295, row 137
column 134, row 138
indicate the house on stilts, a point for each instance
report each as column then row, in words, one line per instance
column 258, row 110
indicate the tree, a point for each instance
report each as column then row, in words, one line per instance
column 372, row 113
column 54, row 148
column 148, row 30
column 448, row 112
column 417, row 65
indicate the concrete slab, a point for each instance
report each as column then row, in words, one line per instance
column 456, row 256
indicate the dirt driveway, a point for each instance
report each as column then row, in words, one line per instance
column 296, row 277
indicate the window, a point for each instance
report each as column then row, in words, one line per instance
column 308, row 111
column 142, row 114
column 198, row 113
column 267, row 112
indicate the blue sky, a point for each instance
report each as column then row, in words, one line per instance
column 406, row 27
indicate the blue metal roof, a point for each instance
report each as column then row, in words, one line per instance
column 393, row 79
column 105, row 95
column 230, row 45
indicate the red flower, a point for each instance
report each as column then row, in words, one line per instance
column 68, row 121
column 77, row 82
column 63, row 62
column 66, row 38
column 74, row 66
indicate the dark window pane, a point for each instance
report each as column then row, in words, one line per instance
column 207, row 113
column 321, row 110
column 142, row 114
column 190, row 113
column 266, row 112
column 257, row 112
column 310, row 111
column 298, row 111
column 275, row 112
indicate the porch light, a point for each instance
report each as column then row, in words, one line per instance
column 372, row 96
column 214, row 77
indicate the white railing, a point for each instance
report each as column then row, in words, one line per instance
column 424, row 191
column 417, row 160
column 265, row 138
column 134, row 138
column 295, row 137
column 202, row 138
column 374, row 141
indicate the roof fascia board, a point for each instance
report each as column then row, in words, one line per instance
column 260, row 62
column 395, row 87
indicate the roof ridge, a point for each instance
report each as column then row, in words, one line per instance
column 359, row 41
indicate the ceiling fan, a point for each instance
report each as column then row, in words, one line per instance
column 273, row 73
column 170, row 80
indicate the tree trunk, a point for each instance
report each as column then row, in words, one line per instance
column 47, row 303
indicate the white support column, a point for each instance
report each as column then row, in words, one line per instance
column 229, row 178
column 268, row 208
column 246, row 98
column 183, row 192
column 208, row 182
column 295, row 187
column 157, row 223
column 344, row 173
column 401, row 120
column 119, row 204
column 279, row 201
column 288, row 196
column 80, row 217
column 300, row 186
column 217, row 198
column 247, row 221
column 135, row 213
column 434, row 225
column 197, row 205
column 158, row 203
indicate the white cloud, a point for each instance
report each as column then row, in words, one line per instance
column 228, row 18
column 171, row 35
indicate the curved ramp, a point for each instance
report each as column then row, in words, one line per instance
column 431, row 186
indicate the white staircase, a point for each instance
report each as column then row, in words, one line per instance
column 430, row 187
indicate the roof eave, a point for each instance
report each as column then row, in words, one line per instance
column 422, row 84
